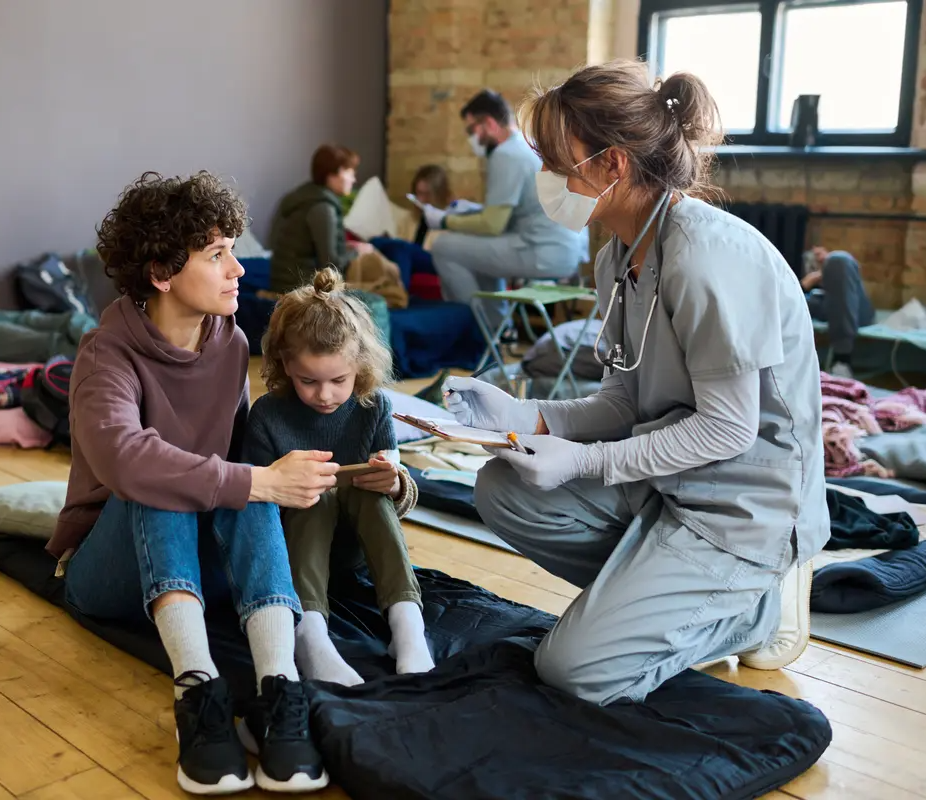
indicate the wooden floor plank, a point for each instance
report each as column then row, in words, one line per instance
column 35, row 465
column 30, row 754
column 894, row 686
column 825, row 650
column 94, row 784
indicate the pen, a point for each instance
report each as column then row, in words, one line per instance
column 476, row 374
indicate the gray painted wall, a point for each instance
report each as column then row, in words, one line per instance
column 95, row 92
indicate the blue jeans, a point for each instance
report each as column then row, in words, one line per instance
column 843, row 303
column 135, row 553
column 410, row 257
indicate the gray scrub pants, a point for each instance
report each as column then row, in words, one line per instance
column 656, row 597
column 841, row 302
column 466, row 264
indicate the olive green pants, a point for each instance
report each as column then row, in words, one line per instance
column 310, row 531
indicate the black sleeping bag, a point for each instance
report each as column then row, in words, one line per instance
column 481, row 726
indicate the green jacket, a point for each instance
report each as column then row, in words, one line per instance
column 307, row 234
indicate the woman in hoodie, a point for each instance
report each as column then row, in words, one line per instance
column 159, row 516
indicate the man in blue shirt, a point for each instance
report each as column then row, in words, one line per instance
column 510, row 236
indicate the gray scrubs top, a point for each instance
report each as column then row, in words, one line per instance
column 728, row 304
column 510, row 181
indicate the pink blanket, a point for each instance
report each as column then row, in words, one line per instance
column 849, row 412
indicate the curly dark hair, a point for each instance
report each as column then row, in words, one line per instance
column 158, row 222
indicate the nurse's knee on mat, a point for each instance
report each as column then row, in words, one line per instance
column 496, row 485
column 563, row 664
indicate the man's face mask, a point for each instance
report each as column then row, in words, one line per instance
column 570, row 209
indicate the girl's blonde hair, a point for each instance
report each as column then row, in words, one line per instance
column 324, row 319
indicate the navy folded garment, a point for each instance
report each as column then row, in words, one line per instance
column 879, row 580
column 482, row 726
column 454, row 498
column 854, row 525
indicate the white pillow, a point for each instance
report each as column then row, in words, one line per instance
column 416, row 407
column 31, row 509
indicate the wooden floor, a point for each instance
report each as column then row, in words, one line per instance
column 79, row 719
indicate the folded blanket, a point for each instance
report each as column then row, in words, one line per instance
column 849, row 413
column 848, row 587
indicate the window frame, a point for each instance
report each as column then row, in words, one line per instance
column 771, row 36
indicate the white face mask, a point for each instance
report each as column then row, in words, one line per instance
column 478, row 148
column 570, row 209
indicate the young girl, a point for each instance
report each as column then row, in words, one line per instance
column 324, row 366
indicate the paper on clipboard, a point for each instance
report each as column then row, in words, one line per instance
column 451, row 431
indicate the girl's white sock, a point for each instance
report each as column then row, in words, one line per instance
column 409, row 646
column 317, row 657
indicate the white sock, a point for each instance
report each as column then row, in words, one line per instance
column 409, row 646
column 316, row 655
column 182, row 628
column 271, row 634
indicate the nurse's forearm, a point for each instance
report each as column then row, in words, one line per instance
column 607, row 416
column 725, row 425
column 491, row 221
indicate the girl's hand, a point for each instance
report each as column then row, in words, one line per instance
column 385, row 480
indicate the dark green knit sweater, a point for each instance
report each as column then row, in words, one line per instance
column 279, row 424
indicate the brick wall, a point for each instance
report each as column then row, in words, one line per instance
column 444, row 51
column 881, row 187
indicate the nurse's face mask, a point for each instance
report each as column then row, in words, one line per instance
column 480, row 141
column 570, row 209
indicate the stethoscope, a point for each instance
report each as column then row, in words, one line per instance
column 615, row 359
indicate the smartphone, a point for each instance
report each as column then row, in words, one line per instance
column 346, row 474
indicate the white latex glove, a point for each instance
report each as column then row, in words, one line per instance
column 478, row 404
column 554, row 461
column 434, row 217
column 464, row 207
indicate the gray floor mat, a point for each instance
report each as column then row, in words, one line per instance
column 897, row 631
column 458, row 526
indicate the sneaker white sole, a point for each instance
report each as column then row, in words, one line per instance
column 771, row 658
column 228, row 784
column 300, row 782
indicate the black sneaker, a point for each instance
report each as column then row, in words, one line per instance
column 277, row 731
column 212, row 760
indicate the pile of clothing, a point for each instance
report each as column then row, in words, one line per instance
column 850, row 412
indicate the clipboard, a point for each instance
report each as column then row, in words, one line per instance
column 450, row 431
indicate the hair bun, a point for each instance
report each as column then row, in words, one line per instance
column 688, row 100
column 327, row 280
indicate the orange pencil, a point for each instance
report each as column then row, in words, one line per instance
column 513, row 439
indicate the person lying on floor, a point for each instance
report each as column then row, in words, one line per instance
column 687, row 497
column 836, row 295
column 158, row 516
column 324, row 366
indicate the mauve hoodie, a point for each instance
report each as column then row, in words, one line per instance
column 153, row 423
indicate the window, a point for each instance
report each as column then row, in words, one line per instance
column 757, row 58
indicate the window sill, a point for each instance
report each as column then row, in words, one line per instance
column 732, row 152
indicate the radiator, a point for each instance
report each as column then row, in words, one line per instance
column 785, row 226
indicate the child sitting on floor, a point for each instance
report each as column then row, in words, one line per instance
column 324, row 366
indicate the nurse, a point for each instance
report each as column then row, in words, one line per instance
column 687, row 497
